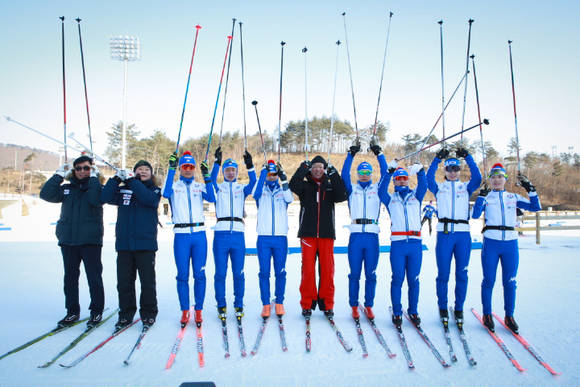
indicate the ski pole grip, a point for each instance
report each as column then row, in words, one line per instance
column 254, row 103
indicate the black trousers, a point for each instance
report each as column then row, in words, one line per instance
column 129, row 263
column 90, row 255
column 423, row 221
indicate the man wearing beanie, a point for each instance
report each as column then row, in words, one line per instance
column 80, row 234
column 318, row 186
column 186, row 198
column 137, row 198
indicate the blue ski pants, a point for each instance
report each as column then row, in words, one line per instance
column 190, row 247
column 232, row 244
column 276, row 247
column 406, row 258
column 451, row 244
column 362, row 247
column 493, row 252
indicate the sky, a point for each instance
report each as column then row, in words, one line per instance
column 545, row 37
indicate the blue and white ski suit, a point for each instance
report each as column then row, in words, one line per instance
column 229, row 235
column 363, row 245
column 501, row 243
column 186, row 198
column 272, row 201
column 404, row 207
column 453, row 237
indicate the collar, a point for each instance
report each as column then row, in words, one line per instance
column 402, row 190
column 272, row 185
column 365, row 184
column 186, row 180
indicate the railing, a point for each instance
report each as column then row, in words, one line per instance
column 550, row 215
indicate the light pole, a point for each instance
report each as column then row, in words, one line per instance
column 125, row 48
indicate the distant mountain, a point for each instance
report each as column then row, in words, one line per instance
column 14, row 155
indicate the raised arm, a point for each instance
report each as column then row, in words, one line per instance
column 250, row 186
column 480, row 203
column 145, row 196
column 94, row 192
column 475, row 180
column 345, row 173
column 168, row 186
column 51, row 190
column 421, row 185
column 110, row 193
column 260, row 185
column 297, row 181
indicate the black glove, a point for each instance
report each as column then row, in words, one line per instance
column 281, row 173
column 442, row 154
column 204, row 170
column 330, row 170
column 526, row 184
column 375, row 148
column 173, row 161
column 461, row 152
column 354, row 149
column 306, row 165
column 218, row 155
column 248, row 160
column 483, row 191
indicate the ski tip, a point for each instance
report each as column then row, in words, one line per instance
column 392, row 355
column 227, row 355
column 45, row 365
column 125, row 362
column 365, row 355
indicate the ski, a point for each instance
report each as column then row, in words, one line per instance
column 339, row 336
column 429, row 343
column 225, row 337
column 53, row 332
column 404, row 346
column 380, row 337
column 176, row 345
column 463, row 339
column 500, row 343
column 254, row 350
column 241, row 336
column 73, row 343
column 98, row 346
column 308, row 341
column 361, row 338
column 527, row 346
column 282, row 334
column 137, row 344
column 199, row 342
column 447, row 335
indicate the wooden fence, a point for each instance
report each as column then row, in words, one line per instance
column 550, row 215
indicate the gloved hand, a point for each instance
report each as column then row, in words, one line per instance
column 415, row 168
column 526, row 184
column 461, row 152
column 95, row 171
column 392, row 166
column 442, row 154
column 354, row 148
column 306, row 165
column 218, row 155
column 248, row 160
column 64, row 170
column 125, row 174
column 281, row 173
column 483, row 191
column 375, row 148
column 173, row 161
column 204, row 170
column 330, row 170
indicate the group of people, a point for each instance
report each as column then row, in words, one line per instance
column 318, row 186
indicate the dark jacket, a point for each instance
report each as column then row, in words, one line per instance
column 137, row 218
column 317, row 218
column 81, row 212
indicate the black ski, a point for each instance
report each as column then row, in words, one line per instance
column 463, row 339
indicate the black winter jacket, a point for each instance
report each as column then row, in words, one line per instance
column 317, row 216
column 81, row 212
column 137, row 218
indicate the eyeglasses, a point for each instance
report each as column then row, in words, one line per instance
column 402, row 178
column 365, row 172
column 85, row 168
column 188, row 167
column 453, row 168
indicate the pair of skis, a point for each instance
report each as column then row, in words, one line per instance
column 378, row 334
column 178, row 340
column 339, row 336
column 462, row 338
column 261, row 331
column 240, row 336
column 522, row 341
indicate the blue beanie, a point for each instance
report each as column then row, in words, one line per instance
column 452, row 161
column 229, row 163
column 186, row 158
column 400, row 172
column 364, row 166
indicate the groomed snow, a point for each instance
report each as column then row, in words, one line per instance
column 32, row 301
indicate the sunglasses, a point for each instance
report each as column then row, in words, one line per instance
column 365, row 172
column 85, row 168
column 402, row 178
column 498, row 173
column 188, row 167
column 453, row 168
column 271, row 174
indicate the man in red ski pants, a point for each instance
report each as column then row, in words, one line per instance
column 318, row 186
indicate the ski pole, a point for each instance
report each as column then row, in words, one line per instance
column 96, row 156
column 440, row 22
column 42, row 134
column 227, row 82
column 479, row 114
column 197, row 28
column 514, row 99
column 330, row 143
column 485, row 121
column 470, row 21
column 306, row 146
column 382, row 75
column 280, row 106
column 63, row 87
column 350, row 74
column 85, row 83
column 243, row 88
column 255, row 103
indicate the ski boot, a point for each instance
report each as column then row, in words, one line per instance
column 198, row 319
column 511, row 324
column 68, row 320
column 488, row 322
column 415, row 319
column 444, row 316
column 222, row 313
column 369, row 312
column 184, row 318
column 95, row 319
column 122, row 323
column 355, row 313
column 458, row 318
column 239, row 313
column 398, row 321
column 329, row 313
column 148, row 322
column 266, row 311
column 307, row 313
column 279, row 308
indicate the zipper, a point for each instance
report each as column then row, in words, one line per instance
column 318, row 208
column 502, row 214
column 273, row 224
column 453, row 205
column 404, row 202
column 189, row 205
column 364, row 207
column 231, row 207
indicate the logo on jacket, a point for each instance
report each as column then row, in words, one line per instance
column 66, row 191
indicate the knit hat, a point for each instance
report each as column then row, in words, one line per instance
column 452, row 161
column 319, row 159
column 229, row 163
column 271, row 167
column 400, row 172
column 82, row 159
column 141, row 163
column 186, row 158
column 498, row 169
column 364, row 166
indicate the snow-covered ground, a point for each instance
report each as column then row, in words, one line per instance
column 31, row 302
